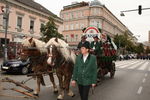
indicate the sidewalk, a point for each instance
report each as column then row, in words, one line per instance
column 1, row 60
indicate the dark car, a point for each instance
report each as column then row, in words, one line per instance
column 18, row 66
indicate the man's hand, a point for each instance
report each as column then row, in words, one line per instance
column 93, row 85
column 73, row 83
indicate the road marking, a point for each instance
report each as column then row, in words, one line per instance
column 124, row 63
column 143, row 67
column 51, row 85
column 146, row 75
column 144, row 80
column 130, row 64
column 134, row 66
column 139, row 90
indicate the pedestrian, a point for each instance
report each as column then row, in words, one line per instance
column 85, row 71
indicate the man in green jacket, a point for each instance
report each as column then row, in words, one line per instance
column 96, row 46
column 85, row 71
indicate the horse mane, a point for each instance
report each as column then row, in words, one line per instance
column 64, row 48
column 40, row 45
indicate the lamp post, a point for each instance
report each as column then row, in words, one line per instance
column 6, row 12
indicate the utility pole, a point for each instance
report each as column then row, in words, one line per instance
column 5, row 11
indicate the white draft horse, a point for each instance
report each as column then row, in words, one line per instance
column 63, row 59
column 36, row 51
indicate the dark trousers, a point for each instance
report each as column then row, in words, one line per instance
column 84, row 91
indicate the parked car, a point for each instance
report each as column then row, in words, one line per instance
column 121, row 57
column 17, row 66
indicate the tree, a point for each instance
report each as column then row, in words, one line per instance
column 120, row 41
column 147, row 50
column 50, row 30
column 124, row 42
column 140, row 48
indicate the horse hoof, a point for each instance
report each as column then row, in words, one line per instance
column 30, row 91
column 36, row 94
column 55, row 92
column 59, row 99
column 73, row 95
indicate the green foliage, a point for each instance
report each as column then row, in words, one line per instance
column 147, row 50
column 140, row 48
column 123, row 41
column 50, row 30
column 120, row 40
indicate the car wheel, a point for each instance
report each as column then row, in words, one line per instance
column 24, row 70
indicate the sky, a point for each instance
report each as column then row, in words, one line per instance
column 139, row 25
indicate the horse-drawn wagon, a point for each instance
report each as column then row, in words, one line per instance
column 106, row 53
column 57, row 54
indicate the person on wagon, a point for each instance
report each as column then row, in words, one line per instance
column 83, row 40
column 85, row 71
column 95, row 46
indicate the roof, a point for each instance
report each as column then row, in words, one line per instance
column 37, row 6
column 95, row 3
column 76, row 5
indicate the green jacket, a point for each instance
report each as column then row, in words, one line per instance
column 97, row 46
column 85, row 73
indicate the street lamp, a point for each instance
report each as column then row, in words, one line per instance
column 139, row 10
column 5, row 11
column 122, row 14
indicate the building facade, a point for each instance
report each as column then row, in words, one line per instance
column 80, row 15
column 25, row 19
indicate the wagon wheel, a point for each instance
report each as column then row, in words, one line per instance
column 99, row 75
column 113, row 69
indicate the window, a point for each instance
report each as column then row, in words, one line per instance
column 67, row 38
column 76, row 37
column 71, row 16
column 67, row 27
column 81, row 26
column 82, row 14
column 67, row 16
column 31, row 25
column 19, row 22
column 77, row 26
column 71, row 26
column 76, row 15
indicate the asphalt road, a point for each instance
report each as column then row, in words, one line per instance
column 131, row 82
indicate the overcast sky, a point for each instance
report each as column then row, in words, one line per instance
column 138, row 24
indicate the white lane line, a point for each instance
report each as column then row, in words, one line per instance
column 51, row 85
column 121, row 62
column 127, row 63
column 136, row 65
column 146, row 75
column 130, row 64
column 124, row 63
column 143, row 67
column 139, row 90
column 144, row 80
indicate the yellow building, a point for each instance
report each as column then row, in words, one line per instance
column 25, row 19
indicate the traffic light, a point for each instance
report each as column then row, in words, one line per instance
column 140, row 9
